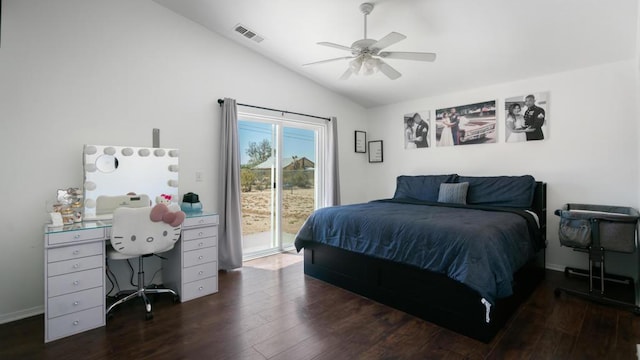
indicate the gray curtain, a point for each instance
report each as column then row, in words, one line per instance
column 333, row 191
column 230, row 241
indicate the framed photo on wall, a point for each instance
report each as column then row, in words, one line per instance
column 361, row 141
column 466, row 124
column 375, row 151
column 416, row 130
column 527, row 117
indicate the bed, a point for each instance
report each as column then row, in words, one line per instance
column 461, row 252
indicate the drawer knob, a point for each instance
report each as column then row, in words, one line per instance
column 200, row 272
column 201, row 244
column 75, row 266
column 75, row 323
column 200, row 233
column 76, row 303
column 76, row 282
column 201, row 221
column 201, row 288
column 200, row 257
column 76, row 252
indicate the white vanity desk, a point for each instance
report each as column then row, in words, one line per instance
column 74, row 271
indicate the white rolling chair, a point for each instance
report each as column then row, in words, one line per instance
column 143, row 232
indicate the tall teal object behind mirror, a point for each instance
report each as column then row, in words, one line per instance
column 126, row 176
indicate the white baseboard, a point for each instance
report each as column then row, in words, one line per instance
column 555, row 267
column 17, row 315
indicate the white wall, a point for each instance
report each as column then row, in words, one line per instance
column 589, row 156
column 74, row 72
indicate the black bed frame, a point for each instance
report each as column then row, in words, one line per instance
column 431, row 296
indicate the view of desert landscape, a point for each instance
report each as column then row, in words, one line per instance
column 297, row 205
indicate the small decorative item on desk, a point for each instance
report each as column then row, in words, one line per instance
column 67, row 216
column 191, row 203
column 76, row 207
column 66, row 209
column 164, row 199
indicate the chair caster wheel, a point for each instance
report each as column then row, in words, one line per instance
column 176, row 299
column 109, row 316
column 148, row 316
column 566, row 272
column 636, row 311
column 557, row 293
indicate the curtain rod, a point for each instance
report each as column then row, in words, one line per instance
column 221, row 101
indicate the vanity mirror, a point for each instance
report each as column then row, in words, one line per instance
column 126, row 176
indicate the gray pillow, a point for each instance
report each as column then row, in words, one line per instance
column 453, row 193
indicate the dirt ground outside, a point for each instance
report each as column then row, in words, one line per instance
column 297, row 205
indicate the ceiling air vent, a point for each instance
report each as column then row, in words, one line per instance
column 248, row 33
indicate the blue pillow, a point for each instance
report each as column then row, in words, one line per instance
column 422, row 187
column 508, row 191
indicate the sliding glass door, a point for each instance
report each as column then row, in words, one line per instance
column 280, row 179
column 298, row 180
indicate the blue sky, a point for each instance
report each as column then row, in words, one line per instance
column 297, row 142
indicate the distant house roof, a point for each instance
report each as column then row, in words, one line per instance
column 301, row 163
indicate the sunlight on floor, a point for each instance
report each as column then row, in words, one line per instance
column 275, row 262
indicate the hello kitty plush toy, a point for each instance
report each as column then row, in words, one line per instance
column 164, row 199
column 146, row 230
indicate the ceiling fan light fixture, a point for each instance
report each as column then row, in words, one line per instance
column 365, row 53
column 371, row 65
column 355, row 65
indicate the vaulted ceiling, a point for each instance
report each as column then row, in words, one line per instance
column 478, row 42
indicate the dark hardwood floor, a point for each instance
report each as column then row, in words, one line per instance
column 270, row 310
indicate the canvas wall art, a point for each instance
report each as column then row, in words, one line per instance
column 527, row 117
column 417, row 130
column 466, row 124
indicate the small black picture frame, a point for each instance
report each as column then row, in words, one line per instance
column 360, row 141
column 375, row 151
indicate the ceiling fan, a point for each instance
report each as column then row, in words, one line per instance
column 367, row 55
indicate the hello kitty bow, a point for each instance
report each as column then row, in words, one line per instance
column 161, row 212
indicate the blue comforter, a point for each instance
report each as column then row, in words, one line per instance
column 478, row 246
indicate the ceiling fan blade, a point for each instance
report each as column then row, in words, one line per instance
column 389, row 71
column 418, row 56
column 329, row 60
column 347, row 74
column 388, row 40
column 337, row 46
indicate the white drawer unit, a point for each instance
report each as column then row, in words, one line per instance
column 199, row 272
column 200, row 243
column 74, row 271
column 73, row 265
column 193, row 234
column 74, row 323
column 193, row 265
column 75, row 251
column 200, row 288
column 75, row 236
column 74, row 282
column 74, row 302
column 199, row 221
column 201, row 256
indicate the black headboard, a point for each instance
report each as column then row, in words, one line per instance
column 539, row 206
